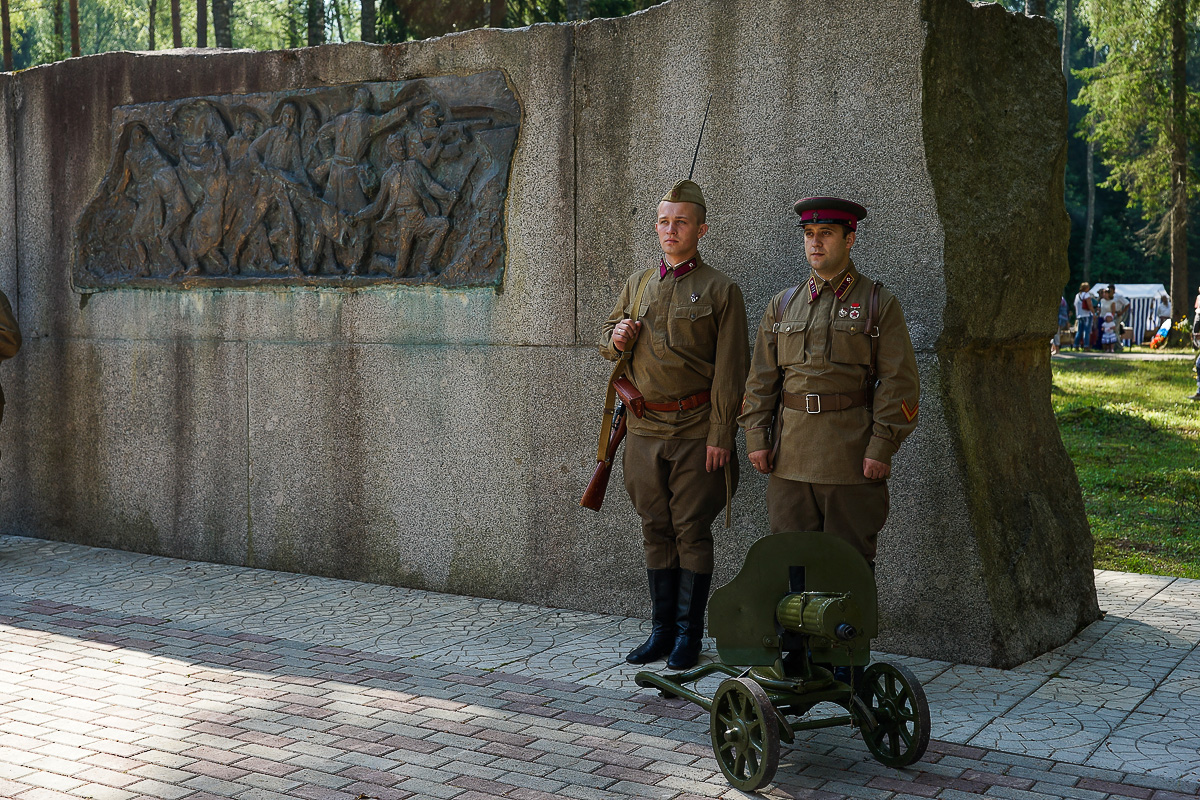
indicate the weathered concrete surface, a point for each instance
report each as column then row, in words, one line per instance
column 441, row 439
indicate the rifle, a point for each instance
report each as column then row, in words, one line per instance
column 593, row 496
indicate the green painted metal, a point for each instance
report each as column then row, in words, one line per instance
column 802, row 605
column 743, row 613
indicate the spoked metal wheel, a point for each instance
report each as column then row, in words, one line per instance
column 897, row 701
column 745, row 734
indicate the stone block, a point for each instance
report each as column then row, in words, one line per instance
column 442, row 438
column 137, row 445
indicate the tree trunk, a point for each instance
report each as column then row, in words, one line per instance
column 176, row 24
column 368, row 20
column 73, row 15
column 153, row 14
column 201, row 23
column 1066, row 44
column 316, row 22
column 57, row 10
column 337, row 17
column 1035, row 8
column 498, row 11
column 1179, row 159
column 1089, row 228
column 222, row 10
column 6, row 22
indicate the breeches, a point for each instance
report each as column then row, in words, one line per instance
column 855, row 512
column 676, row 499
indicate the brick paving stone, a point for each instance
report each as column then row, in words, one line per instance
column 134, row 694
column 1110, row 787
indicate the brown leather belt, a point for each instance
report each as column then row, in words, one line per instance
column 818, row 403
column 686, row 404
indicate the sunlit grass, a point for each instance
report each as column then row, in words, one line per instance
column 1135, row 439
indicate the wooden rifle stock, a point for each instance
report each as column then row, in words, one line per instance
column 593, row 496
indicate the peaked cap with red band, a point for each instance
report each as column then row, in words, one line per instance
column 817, row 210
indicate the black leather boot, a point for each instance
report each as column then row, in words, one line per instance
column 664, row 584
column 689, row 619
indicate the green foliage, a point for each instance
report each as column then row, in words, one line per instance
column 1135, row 440
column 1128, row 99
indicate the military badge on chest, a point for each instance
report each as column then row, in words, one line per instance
column 695, row 297
column 855, row 310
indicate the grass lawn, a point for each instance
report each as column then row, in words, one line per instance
column 1135, row 440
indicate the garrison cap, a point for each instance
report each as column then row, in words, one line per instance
column 830, row 209
column 685, row 192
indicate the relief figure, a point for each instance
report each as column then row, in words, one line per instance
column 351, row 133
column 205, row 178
column 162, row 206
column 408, row 197
column 277, row 158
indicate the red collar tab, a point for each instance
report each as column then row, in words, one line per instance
column 680, row 271
column 813, row 291
column 816, row 216
column 844, row 287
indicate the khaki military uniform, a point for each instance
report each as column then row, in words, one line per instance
column 820, row 346
column 692, row 340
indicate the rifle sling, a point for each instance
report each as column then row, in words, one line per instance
column 777, row 427
column 619, row 369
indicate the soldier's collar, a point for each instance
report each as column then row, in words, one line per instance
column 844, row 284
column 679, row 269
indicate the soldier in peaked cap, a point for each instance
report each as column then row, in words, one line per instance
column 833, row 388
column 682, row 325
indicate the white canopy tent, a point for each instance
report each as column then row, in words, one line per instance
column 1142, row 297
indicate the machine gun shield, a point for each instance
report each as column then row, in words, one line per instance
column 742, row 613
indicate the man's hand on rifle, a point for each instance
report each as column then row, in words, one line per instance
column 761, row 459
column 716, row 458
column 625, row 334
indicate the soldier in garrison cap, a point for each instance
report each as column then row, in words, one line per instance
column 687, row 344
column 833, row 388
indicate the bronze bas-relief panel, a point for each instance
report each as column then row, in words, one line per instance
column 354, row 185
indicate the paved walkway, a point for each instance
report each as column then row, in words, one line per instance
column 126, row 676
column 1139, row 355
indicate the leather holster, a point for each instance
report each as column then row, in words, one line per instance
column 630, row 396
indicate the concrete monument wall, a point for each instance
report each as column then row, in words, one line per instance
column 440, row 438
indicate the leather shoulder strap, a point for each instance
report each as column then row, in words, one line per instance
column 788, row 295
column 872, row 330
column 641, row 290
column 619, row 369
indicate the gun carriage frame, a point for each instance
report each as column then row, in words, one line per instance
column 798, row 620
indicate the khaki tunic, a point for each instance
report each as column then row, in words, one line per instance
column 693, row 339
column 821, row 346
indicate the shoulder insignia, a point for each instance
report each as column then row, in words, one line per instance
column 844, row 287
column 813, row 291
column 909, row 413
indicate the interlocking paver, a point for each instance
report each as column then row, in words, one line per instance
column 142, row 676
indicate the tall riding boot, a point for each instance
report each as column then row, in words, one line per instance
column 664, row 583
column 689, row 619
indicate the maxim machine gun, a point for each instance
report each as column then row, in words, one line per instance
column 797, row 622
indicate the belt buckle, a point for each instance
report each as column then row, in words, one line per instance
column 808, row 403
column 680, row 404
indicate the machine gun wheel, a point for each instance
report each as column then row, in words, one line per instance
column 897, row 701
column 745, row 734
